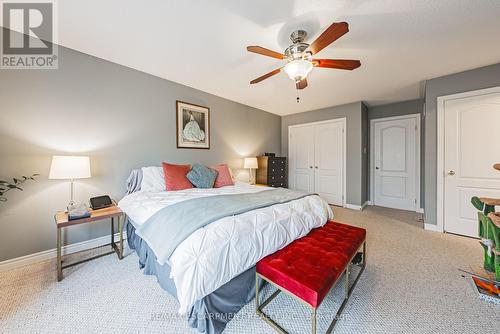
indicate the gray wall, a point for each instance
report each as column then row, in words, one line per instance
column 484, row 77
column 396, row 109
column 122, row 119
column 400, row 109
column 365, row 162
column 353, row 113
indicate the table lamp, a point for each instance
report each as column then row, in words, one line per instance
column 69, row 168
column 250, row 163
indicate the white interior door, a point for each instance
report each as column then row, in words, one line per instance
column 301, row 158
column 471, row 147
column 395, row 163
column 328, row 167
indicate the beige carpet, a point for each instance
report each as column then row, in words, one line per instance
column 411, row 285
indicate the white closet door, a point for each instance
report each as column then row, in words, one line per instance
column 301, row 158
column 472, row 134
column 329, row 164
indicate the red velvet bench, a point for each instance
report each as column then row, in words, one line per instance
column 308, row 268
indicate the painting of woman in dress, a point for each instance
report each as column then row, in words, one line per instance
column 193, row 126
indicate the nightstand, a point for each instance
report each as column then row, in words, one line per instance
column 61, row 220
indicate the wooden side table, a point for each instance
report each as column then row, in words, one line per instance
column 61, row 220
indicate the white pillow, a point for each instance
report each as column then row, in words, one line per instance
column 153, row 179
column 231, row 173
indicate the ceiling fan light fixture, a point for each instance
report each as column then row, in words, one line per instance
column 298, row 69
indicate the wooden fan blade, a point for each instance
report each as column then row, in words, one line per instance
column 341, row 64
column 330, row 35
column 265, row 76
column 301, row 84
column 266, row 52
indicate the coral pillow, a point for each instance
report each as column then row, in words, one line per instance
column 223, row 177
column 175, row 176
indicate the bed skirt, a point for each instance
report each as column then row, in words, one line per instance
column 210, row 314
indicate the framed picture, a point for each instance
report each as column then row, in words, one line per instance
column 193, row 126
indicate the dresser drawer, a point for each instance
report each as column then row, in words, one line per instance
column 278, row 185
column 277, row 162
column 276, row 178
column 277, row 170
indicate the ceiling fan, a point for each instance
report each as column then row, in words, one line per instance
column 298, row 56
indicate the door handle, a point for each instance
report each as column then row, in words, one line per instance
column 377, row 168
column 310, row 166
column 451, row 172
column 316, row 167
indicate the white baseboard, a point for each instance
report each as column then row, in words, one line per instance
column 52, row 253
column 432, row 227
column 356, row 207
column 421, row 210
column 369, row 203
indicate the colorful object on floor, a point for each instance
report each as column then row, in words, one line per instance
column 494, row 223
column 309, row 267
column 489, row 232
column 487, row 290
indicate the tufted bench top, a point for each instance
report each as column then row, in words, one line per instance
column 308, row 267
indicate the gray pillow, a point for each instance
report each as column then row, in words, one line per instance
column 202, row 176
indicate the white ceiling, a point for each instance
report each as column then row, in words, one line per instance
column 202, row 44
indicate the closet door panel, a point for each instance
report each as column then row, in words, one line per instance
column 301, row 158
column 328, row 166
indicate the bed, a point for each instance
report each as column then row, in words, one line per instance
column 211, row 271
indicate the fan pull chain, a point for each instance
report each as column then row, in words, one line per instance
column 298, row 97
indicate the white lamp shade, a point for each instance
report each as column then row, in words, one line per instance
column 69, row 167
column 250, row 163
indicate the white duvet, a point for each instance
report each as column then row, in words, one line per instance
column 220, row 251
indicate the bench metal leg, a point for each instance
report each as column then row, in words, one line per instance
column 257, row 290
column 278, row 328
column 364, row 254
column 313, row 320
column 347, row 281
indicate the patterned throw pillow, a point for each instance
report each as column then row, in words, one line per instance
column 202, row 176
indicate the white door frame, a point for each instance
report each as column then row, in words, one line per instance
column 441, row 100
column 343, row 120
column 417, row 158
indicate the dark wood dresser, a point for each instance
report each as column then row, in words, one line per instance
column 272, row 171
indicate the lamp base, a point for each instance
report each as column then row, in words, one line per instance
column 251, row 179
